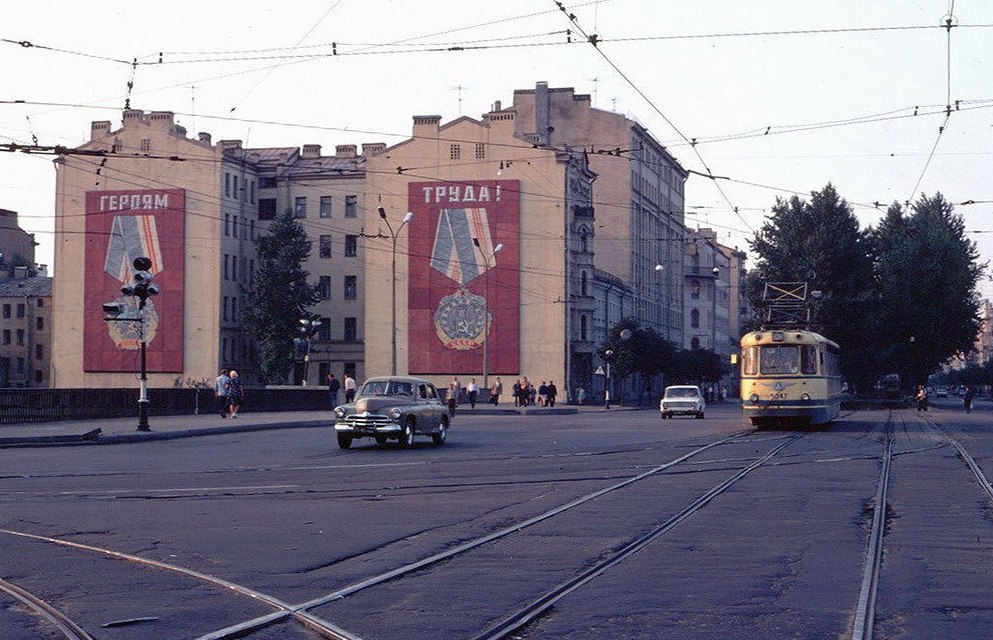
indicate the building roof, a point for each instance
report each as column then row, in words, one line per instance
column 26, row 287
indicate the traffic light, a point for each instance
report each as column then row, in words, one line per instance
column 141, row 286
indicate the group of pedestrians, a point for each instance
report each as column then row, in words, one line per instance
column 334, row 387
column 229, row 393
column 526, row 394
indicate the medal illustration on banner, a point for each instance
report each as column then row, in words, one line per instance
column 130, row 237
column 461, row 320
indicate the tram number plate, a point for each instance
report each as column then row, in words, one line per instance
column 778, row 396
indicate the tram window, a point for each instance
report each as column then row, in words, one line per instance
column 750, row 361
column 780, row 360
column 808, row 358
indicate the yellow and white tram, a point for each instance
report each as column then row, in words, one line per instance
column 789, row 378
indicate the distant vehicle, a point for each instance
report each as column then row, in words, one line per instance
column 682, row 400
column 789, row 377
column 392, row 407
column 941, row 392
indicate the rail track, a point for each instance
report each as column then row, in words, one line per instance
column 52, row 616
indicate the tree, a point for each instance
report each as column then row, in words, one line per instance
column 820, row 242
column 927, row 271
column 279, row 296
column 642, row 352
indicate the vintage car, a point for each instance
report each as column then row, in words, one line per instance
column 683, row 400
column 392, row 407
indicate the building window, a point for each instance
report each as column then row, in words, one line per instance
column 251, row 192
column 226, row 272
column 480, row 151
column 227, row 224
column 6, row 311
column 351, row 330
column 40, row 323
column 234, row 308
column 39, row 352
column 349, row 369
column 20, row 365
column 455, row 152
column 6, row 336
column 582, row 327
column 251, row 230
column 227, row 184
column 695, row 319
column 251, row 272
column 41, row 303
column 325, row 206
column 234, row 268
column 351, row 246
column 37, row 376
column 225, row 316
column 695, row 343
column 267, row 182
column 351, row 206
column 351, row 284
column 146, row 145
column 325, row 247
column 300, row 207
column 583, row 285
column 234, row 188
column 323, row 371
column 324, row 332
column 20, row 337
column 695, row 289
column 324, row 287
column 267, row 208
column 20, row 310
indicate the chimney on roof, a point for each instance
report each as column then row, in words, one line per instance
column 497, row 106
column 345, row 151
column 542, row 110
column 311, row 151
column 20, row 273
column 203, row 137
column 229, row 145
column 162, row 119
column 132, row 115
column 426, row 126
column 99, row 129
column 373, row 149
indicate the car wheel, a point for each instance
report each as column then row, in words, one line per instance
column 699, row 416
column 344, row 440
column 665, row 416
column 407, row 437
column 380, row 440
column 439, row 438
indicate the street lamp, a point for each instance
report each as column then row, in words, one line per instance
column 608, row 354
column 308, row 327
column 393, row 236
column 142, row 288
column 486, row 301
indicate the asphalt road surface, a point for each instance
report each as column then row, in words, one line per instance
column 598, row 525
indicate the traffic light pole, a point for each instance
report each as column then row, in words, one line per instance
column 143, row 398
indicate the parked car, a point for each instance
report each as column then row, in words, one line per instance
column 682, row 400
column 392, row 408
column 942, row 392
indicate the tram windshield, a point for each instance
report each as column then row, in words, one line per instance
column 785, row 359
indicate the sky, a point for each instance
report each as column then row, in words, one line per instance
column 781, row 96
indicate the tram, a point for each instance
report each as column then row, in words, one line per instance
column 789, row 377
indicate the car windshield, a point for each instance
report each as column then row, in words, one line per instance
column 684, row 392
column 387, row 388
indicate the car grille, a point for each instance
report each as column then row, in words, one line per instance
column 680, row 405
column 367, row 420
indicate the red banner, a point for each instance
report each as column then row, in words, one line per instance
column 464, row 277
column 121, row 226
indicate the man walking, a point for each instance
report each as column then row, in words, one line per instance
column 333, row 387
column 472, row 391
column 221, row 384
column 495, row 392
column 551, row 392
column 349, row 388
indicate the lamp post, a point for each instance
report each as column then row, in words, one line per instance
column 486, row 301
column 608, row 354
column 142, row 288
column 308, row 326
column 394, row 235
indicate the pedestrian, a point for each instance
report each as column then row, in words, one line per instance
column 552, row 391
column 542, row 394
column 532, row 394
column 472, row 392
column 495, row 391
column 967, row 399
column 349, row 388
column 517, row 393
column 921, row 398
column 235, row 393
column 452, row 398
column 334, row 385
column 221, row 392
column 581, row 395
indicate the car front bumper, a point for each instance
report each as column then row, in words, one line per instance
column 367, row 424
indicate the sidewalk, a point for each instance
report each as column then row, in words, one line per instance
column 120, row 430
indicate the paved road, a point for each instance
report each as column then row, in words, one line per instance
column 288, row 514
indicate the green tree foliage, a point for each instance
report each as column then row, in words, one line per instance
column 279, row 296
column 927, row 271
column 819, row 241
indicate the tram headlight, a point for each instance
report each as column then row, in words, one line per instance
column 805, row 397
column 753, row 398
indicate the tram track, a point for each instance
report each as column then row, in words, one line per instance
column 51, row 616
column 284, row 610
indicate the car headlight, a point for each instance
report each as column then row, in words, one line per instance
column 805, row 397
column 339, row 413
column 395, row 413
column 753, row 398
